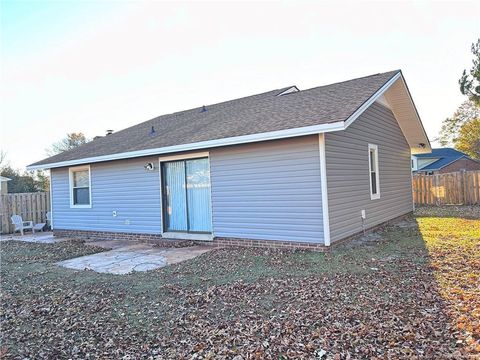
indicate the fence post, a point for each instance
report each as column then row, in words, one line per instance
column 424, row 189
column 477, row 187
column 3, row 213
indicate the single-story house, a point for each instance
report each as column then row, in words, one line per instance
column 281, row 168
column 443, row 160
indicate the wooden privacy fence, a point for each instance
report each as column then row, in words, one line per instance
column 456, row 188
column 30, row 206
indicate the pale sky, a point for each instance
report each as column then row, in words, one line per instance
column 74, row 66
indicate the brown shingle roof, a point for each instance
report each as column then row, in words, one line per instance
column 245, row 116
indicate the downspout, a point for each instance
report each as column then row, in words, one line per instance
column 323, row 179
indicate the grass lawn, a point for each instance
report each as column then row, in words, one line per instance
column 413, row 294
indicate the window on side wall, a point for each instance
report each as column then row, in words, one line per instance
column 80, row 185
column 373, row 171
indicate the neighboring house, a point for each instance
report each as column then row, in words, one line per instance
column 443, row 160
column 279, row 168
column 4, row 184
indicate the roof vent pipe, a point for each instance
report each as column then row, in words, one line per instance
column 109, row 132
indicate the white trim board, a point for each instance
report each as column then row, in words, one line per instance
column 323, row 180
column 184, row 156
column 244, row 139
column 187, row 236
column 51, row 199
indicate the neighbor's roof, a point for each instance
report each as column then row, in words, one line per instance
column 445, row 157
column 318, row 109
column 3, row 178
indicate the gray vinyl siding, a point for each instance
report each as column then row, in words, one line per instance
column 348, row 173
column 269, row 190
column 124, row 186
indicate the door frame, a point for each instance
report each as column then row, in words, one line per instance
column 179, row 234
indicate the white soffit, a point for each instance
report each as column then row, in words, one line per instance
column 395, row 93
column 382, row 100
column 402, row 106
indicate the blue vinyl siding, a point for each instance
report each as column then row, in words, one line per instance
column 269, row 190
column 122, row 186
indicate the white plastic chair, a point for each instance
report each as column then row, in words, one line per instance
column 48, row 216
column 21, row 225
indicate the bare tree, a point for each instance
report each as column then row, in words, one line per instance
column 3, row 158
column 71, row 141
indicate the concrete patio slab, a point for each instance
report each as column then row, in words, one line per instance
column 127, row 256
column 39, row 237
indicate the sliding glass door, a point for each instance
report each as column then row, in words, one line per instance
column 175, row 196
column 199, row 212
column 186, row 196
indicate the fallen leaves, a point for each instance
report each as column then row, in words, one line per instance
column 454, row 249
column 420, row 301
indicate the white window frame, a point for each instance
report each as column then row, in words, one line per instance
column 70, row 173
column 377, row 177
column 180, row 235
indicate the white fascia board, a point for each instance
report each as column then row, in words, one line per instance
column 371, row 100
column 244, row 139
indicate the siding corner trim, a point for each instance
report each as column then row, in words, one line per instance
column 323, row 178
column 51, row 198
